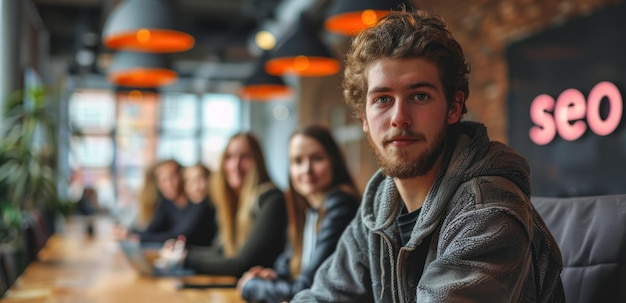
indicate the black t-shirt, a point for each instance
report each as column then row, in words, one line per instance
column 406, row 222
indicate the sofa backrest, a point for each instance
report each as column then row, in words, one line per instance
column 591, row 234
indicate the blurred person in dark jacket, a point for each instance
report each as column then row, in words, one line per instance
column 165, row 211
column 322, row 199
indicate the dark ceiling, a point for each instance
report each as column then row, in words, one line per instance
column 221, row 28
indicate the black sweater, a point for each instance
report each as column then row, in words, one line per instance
column 265, row 241
column 196, row 222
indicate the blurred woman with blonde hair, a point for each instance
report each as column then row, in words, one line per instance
column 250, row 210
column 160, row 180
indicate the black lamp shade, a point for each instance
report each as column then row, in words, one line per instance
column 349, row 17
column 302, row 53
column 262, row 86
column 133, row 69
column 145, row 25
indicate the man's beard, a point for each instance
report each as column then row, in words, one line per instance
column 404, row 168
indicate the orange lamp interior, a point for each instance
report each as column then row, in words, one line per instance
column 143, row 77
column 350, row 24
column 302, row 66
column 263, row 92
column 150, row 40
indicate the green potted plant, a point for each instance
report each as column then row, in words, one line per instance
column 28, row 157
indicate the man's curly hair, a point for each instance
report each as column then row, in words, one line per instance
column 404, row 34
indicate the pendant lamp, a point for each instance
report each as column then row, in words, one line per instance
column 142, row 70
column 262, row 86
column 145, row 25
column 349, row 17
column 303, row 54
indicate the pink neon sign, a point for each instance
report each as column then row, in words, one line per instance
column 566, row 116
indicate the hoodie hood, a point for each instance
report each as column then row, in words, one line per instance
column 469, row 154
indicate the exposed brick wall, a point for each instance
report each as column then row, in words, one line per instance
column 484, row 28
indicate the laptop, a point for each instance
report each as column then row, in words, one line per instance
column 137, row 255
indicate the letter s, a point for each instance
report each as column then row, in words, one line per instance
column 545, row 129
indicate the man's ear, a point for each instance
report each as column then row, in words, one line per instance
column 456, row 110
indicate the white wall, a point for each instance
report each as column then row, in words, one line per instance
column 273, row 134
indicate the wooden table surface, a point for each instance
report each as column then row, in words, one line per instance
column 75, row 268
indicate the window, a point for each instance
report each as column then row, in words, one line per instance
column 124, row 133
column 222, row 118
column 91, row 154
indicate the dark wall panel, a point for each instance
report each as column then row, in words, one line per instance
column 580, row 68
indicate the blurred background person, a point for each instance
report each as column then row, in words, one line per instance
column 251, row 212
column 202, row 211
column 161, row 191
column 322, row 199
column 87, row 206
column 165, row 211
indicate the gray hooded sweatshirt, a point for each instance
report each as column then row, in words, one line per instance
column 480, row 237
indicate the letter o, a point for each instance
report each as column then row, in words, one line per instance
column 597, row 125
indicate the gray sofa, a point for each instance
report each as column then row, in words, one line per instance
column 591, row 234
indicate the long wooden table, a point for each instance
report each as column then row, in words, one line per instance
column 76, row 268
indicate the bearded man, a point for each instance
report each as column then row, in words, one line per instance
column 448, row 217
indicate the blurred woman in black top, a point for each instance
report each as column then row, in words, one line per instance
column 251, row 213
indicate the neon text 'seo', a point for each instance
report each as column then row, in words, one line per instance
column 566, row 115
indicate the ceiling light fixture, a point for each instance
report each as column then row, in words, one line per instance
column 265, row 40
column 349, row 17
column 262, row 86
column 302, row 53
column 145, row 25
column 142, row 70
